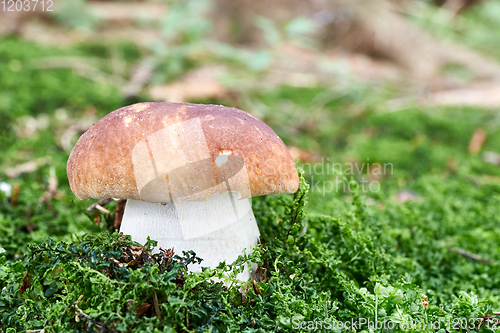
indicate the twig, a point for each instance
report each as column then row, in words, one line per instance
column 100, row 204
column 256, row 288
column 496, row 313
column 469, row 255
column 116, row 262
column 80, row 314
column 157, row 306
column 15, row 194
column 102, row 209
column 79, row 299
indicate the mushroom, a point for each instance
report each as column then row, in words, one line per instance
column 187, row 172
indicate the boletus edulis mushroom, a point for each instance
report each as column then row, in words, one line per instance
column 187, row 172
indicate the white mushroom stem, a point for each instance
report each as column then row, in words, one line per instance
column 217, row 229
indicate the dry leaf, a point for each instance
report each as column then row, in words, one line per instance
column 477, row 141
column 143, row 308
column 485, row 95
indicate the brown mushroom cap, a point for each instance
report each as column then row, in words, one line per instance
column 178, row 144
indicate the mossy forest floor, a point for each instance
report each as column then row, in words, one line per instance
column 419, row 244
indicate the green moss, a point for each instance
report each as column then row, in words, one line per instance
column 343, row 256
column 30, row 88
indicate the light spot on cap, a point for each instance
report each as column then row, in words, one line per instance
column 127, row 120
column 139, row 107
column 181, row 112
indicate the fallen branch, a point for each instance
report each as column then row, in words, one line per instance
column 27, row 167
column 474, row 95
column 469, row 255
